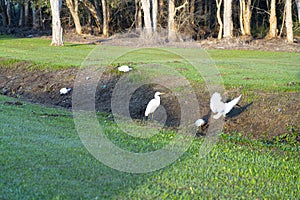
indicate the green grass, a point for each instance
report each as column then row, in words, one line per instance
column 39, row 52
column 253, row 70
column 42, row 157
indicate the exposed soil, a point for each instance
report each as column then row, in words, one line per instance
column 267, row 115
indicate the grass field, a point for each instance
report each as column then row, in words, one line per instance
column 249, row 69
column 42, row 156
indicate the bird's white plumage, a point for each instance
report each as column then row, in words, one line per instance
column 229, row 105
column 221, row 108
column 153, row 104
column 200, row 122
column 124, row 68
column 65, row 90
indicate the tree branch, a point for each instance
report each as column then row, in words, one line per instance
column 182, row 6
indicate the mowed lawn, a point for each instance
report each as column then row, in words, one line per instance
column 42, row 156
column 248, row 69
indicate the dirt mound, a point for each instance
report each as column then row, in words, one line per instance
column 268, row 115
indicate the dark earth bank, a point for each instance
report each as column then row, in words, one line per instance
column 260, row 114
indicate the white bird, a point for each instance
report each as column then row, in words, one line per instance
column 153, row 104
column 199, row 122
column 124, row 68
column 219, row 107
column 65, row 90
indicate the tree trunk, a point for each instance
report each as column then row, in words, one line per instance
column 154, row 14
column 219, row 4
column 289, row 21
column 273, row 21
column 3, row 12
column 192, row 13
column 138, row 15
column 147, row 17
column 35, row 23
column 57, row 36
column 171, row 18
column 8, row 11
column 242, row 9
column 227, row 19
column 161, row 11
column 171, row 21
column 298, row 9
column 209, row 19
column 73, row 7
column 21, row 18
column 94, row 13
column 105, row 18
column 200, row 7
column 247, row 17
column 26, row 12
column 205, row 12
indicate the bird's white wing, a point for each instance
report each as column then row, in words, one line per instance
column 216, row 105
column 64, row 90
column 218, row 115
column 231, row 104
column 152, row 106
column 124, row 68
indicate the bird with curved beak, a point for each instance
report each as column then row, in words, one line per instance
column 153, row 104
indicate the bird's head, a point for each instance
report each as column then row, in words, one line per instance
column 158, row 93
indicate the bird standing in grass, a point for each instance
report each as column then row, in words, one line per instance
column 153, row 104
column 219, row 107
column 124, row 68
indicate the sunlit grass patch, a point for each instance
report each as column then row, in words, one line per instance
column 42, row 156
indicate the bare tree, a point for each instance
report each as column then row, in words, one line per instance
column 26, row 12
column 138, row 15
column 105, row 17
column 57, row 35
column 73, row 7
column 161, row 11
column 289, row 21
column 171, row 20
column 298, row 9
column 35, row 23
column 219, row 4
column 94, row 11
column 227, row 19
column 154, row 14
column 3, row 12
column 147, row 17
column 8, row 11
column 172, row 10
column 273, row 21
column 245, row 17
column 21, row 19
